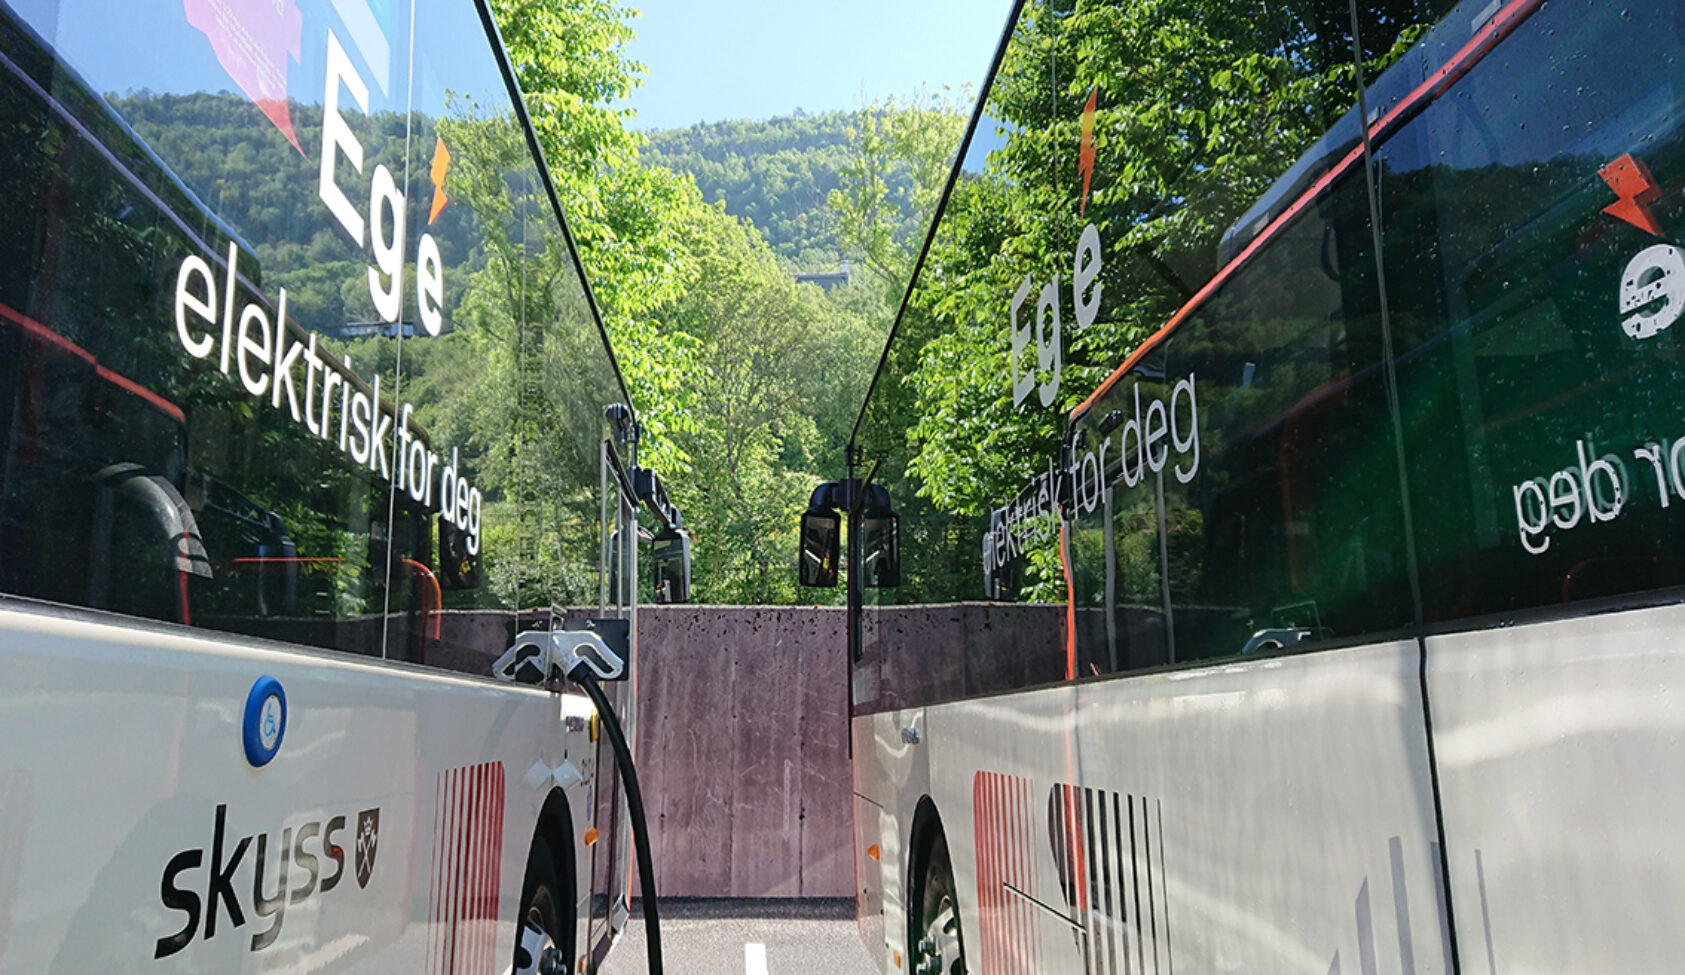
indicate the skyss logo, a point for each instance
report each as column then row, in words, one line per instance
column 303, row 848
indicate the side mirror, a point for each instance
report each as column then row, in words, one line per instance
column 670, row 555
column 880, row 551
column 821, row 545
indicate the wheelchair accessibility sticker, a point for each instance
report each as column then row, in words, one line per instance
column 266, row 720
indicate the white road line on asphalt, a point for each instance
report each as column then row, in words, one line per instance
column 754, row 958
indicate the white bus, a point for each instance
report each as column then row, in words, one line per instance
column 307, row 411
column 1284, row 428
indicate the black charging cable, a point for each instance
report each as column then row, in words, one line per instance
column 582, row 675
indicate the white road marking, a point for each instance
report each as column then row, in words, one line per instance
column 754, row 958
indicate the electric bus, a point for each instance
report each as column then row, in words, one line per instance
column 1283, row 428
column 307, row 412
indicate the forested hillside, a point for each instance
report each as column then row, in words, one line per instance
column 777, row 174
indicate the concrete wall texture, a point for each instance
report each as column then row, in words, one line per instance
column 742, row 726
column 742, row 745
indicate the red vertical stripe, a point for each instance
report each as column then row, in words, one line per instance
column 996, row 869
column 502, row 794
column 996, row 954
column 461, row 946
column 1003, row 834
column 466, row 888
column 1014, row 902
column 464, row 853
column 1006, row 940
column 1028, row 852
column 482, row 956
column 448, row 878
column 445, row 873
column 1009, row 841
column 494, row 827
column 486, row 912
column 464, row 790
column 470, row 866
column 494, row 861
column 476, row 904
column 481, row 817
column 977, row 847
column 981, row 798
column 1029, row 845
column 438, row 867
column 994, row 872
column 482, row 870
column 1001, row 933
column 1018, row 871
column 996, row 895
column 433, row 879
column 986, row 906
column 980, row 845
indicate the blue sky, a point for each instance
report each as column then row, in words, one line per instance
column 728, row 59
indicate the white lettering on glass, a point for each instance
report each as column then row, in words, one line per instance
column 337, row 138
column 1086, row 289
column 265, row 358
column 1652, row 291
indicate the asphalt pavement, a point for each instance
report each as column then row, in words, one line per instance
column 748, row 937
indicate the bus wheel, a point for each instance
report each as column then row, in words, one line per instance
column 544, row 923
column 935, row 928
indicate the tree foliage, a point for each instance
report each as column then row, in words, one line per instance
column 745, row 381
column 777, row 174
column 901, row 151
column 1200, row 107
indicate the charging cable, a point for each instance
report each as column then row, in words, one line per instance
column 543, row 656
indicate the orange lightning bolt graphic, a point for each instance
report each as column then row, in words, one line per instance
column 441, row 165
column 1637, row 189
column 1085, row 159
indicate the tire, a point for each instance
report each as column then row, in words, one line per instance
column 933, row 928
column 546, row 918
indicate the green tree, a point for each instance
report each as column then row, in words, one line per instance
column 721, row 349
column 901, row 153
column 1199, row 107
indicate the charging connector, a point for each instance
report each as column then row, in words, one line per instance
column 545, row 656
column 581, row 656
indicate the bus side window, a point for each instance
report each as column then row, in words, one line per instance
column 1292, row 530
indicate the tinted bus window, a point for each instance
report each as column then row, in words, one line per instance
column 1290, row 531
column 1132, row 167
column 294, row 344
column 1531, row 215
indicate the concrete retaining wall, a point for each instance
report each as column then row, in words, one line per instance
column 742, row 731
column 743, row 750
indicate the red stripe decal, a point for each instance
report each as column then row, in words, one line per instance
column 467, row 870
column 1459, row 64
column 1013, row 854
column 985, row 874
column 433, row 880
column 1013, row 859
column 1003, row 827
column 482, row 873
column 63, row 344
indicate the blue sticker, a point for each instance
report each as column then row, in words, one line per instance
column 266, row 720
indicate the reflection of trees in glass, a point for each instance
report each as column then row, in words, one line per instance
column 99, row 270
column 1201, row 106
column 522, row 380
column 901, row 151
